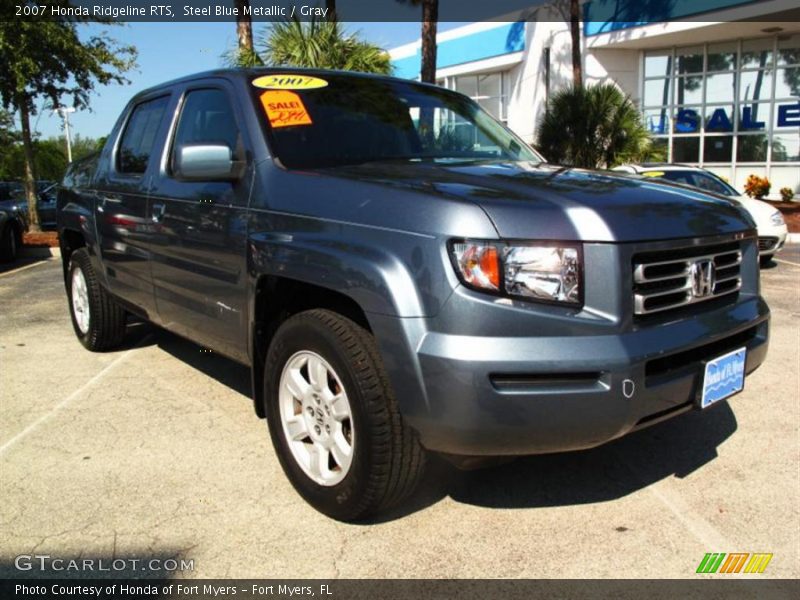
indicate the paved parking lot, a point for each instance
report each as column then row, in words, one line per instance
column 154, row 451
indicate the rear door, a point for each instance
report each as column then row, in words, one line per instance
column 123, row 219
column 199, row 251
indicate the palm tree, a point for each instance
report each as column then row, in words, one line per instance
column 331, row 14
column 244, row 55
column 575, row 34
column 430, row 20
column 593, row 127
column 323, row 45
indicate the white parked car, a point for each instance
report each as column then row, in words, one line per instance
column 771, row 227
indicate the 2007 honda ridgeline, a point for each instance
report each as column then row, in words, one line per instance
column 403, row 274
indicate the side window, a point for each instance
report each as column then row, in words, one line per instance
column 139, row 136
column 207, row 118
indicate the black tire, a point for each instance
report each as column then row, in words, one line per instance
column 765, row 261
column 388, row 460
column 106, row 320
column 9, row 244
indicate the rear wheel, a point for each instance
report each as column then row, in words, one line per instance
column 333, row 418
column 98, row 321
column 9, row 244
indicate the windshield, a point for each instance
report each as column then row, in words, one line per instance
column 354, row 120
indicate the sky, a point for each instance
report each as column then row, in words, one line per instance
column 170, row 50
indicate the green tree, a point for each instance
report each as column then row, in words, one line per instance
column 322, row 45
column 430, row 24
column 49, row 59
column 9, row 139
column 593, row 127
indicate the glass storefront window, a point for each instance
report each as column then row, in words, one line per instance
column 719, row 87
column 487, row 90
column 686, row 149
column 721, row 57
column 658, row 63
column 657, row 121
column 751, row 148
column 657, row 92
column 689, row 60
column 754, row 116
column 789, row 50
column 687, row 120
column 490, row 85
column 734, row 105
column 785, row 147
column 689, row 90
column 755, row 85
column 718, row 148
column 787, row 83
column 467, row 85
column 718, row 118
column 757, row 53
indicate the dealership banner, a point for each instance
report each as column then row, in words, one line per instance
column 598, row 15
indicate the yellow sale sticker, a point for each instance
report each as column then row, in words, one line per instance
column 284, row 81
column 284, row 109
column 653, row 174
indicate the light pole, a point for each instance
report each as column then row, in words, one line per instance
column 63, row 112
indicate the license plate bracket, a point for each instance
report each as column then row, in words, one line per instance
column 722, row 377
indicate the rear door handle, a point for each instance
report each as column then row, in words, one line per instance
column 158, row 211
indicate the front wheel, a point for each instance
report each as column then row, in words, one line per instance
column 765, row 260
column 333, row 418
column 98, row 321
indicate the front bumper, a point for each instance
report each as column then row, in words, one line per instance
column 512, row 396
column 490, row 377
column 771, row 239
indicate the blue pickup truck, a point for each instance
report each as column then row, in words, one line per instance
column 404, row 275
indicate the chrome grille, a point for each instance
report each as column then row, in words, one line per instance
column 690, row 276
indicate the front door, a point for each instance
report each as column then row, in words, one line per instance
column 199, row 252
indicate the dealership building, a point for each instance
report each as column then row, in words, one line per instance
column 717, row 81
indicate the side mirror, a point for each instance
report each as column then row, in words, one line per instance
column 205, row 162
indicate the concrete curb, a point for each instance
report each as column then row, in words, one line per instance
column 793, row 238
column 39, row 252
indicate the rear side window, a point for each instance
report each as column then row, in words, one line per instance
column 207, row 118
column 139, row 136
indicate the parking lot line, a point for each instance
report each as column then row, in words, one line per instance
column 786, row 262
column 66, row 401
column 24, row 267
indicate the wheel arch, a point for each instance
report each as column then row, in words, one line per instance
column 275, row 299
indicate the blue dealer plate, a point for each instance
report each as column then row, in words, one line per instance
column 723, row 377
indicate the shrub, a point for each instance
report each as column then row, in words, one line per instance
column 757, row 187
column 787, row 194
column 593, row 127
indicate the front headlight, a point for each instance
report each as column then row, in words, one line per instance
column 530, row 271
column 776, row 218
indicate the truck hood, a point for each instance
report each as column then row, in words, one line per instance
column 538, row 201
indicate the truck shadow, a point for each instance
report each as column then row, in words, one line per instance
column 675, row 448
